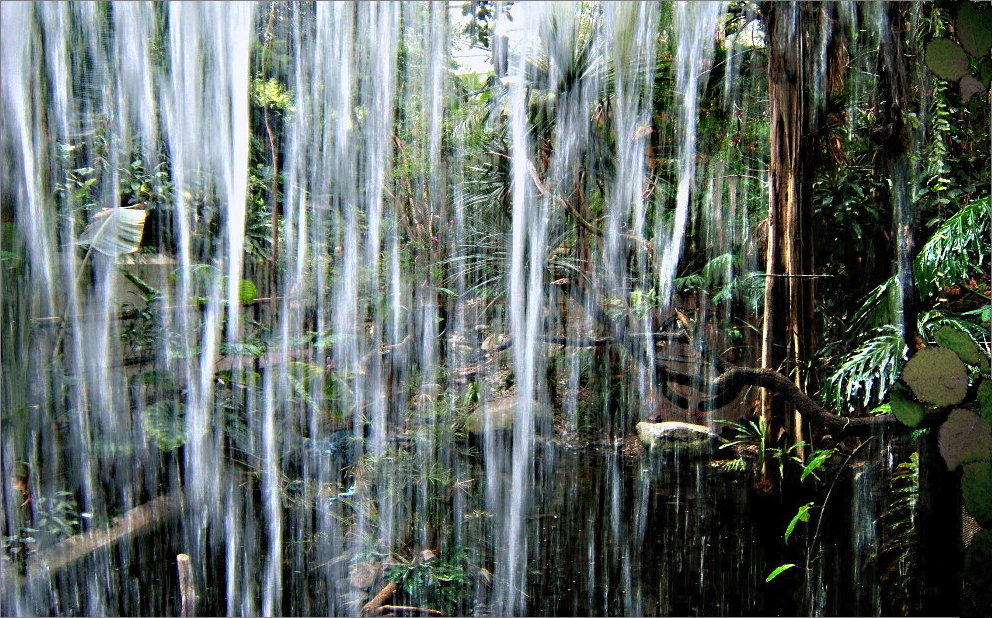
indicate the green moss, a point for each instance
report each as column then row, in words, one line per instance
column 976, row 487
column 937, row 376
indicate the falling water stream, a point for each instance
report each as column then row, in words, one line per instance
column 293, row 418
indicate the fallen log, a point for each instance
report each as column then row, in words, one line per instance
column 411, row 609
column 729, row 384
column 139, row 520
column 374, row 607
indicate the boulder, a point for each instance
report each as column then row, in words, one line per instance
column 501, row 414
column 672, row 437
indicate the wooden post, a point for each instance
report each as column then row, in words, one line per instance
column 187, row 590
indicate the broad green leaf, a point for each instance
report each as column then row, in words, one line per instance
column 964, row 438
column 946, row 59
column 801, row 515
column 960, row 343
column 984, row 72
column 974, row 30
column 246, row 291
column 978, row 561
column 985, row 401
column 970, row 85
column 115, row 231
column 909, row 411
column 139, row 283
column 817, row 462
column 937, row 376
column 778, row 571
column 976, row 488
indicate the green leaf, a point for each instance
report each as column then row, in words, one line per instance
column 946, row 59
column 978, row 561
column 957, row 250
column 964, row 438
column 937, row 376
column 959, row 342
column 820, row 457
column 974, row 30
column 801, row 515
column 870, row 370
column 778, row 571
column 970, row 85
column 140, row 283
column 976, row 488
column 909, row 411
column 163, row 422
column 984, row 72
column 246, row 291
column 115, row 231
column 985, row 401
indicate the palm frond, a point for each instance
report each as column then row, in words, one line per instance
column 956, row 251
column 874, row 310
column 931, row 321
column 115, row 231
column 870, row 370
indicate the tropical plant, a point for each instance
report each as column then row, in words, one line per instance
column 953, row 254
column 431, row 581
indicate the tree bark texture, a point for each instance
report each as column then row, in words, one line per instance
column 798, row 41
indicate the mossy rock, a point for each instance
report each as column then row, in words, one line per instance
column 976, row 488
column 909, row 411
column 978, row 561
column 672, row 438
column 937, row 376
column 964, row 438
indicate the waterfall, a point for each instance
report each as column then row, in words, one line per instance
column 299, row 298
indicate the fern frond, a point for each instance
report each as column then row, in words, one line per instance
column 870, row 370
column 956, row 251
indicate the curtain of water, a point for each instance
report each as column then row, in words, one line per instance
column 339, row 451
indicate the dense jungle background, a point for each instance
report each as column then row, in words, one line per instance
column 495, row 308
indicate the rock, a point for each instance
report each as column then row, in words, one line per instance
column 672, row 437
column 501, row 413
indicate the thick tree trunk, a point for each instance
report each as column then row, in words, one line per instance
column 796, row 32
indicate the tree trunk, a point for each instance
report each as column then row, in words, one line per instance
column 895, row 152
column 795, row 32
